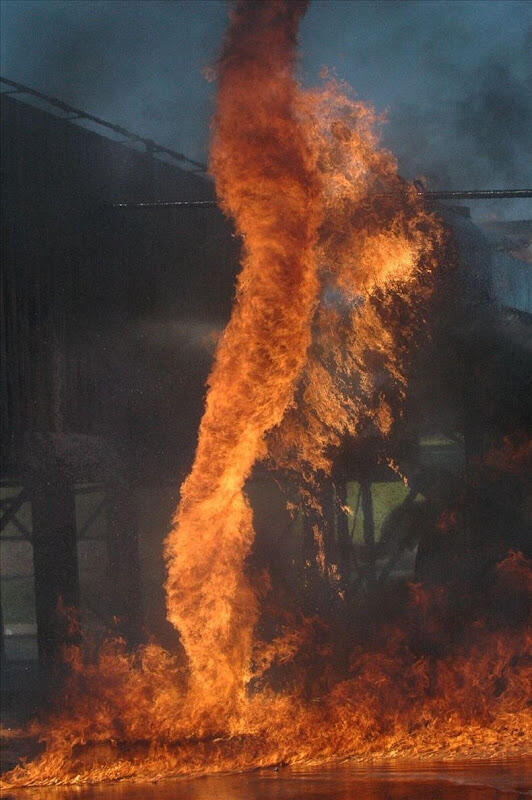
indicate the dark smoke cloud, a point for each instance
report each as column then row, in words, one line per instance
column 453, row 75
column 496, row 117
column 481, row 139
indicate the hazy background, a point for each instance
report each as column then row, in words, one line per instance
column 454, row 75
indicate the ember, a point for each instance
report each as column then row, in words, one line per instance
column 332, row 302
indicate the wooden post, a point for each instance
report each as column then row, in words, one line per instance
column 328, row 521
column 345, row 545
column 124, row 563
column 369, row 527
column 56, row 568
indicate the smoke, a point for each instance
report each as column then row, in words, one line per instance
column 191, row 335
column 481, row 139
column 136, row 64
column 297, row 196
column 496, row 117
column 453, row 76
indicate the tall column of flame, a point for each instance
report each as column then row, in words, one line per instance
column 266, row 180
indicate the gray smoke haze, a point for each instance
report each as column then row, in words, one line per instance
column 453, row 75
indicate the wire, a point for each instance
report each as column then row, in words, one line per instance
column 149, row 144
column 153, row 147
column 474, row 194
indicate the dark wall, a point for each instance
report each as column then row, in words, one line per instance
column 109, row 315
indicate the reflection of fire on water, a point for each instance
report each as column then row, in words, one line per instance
column 335, row 282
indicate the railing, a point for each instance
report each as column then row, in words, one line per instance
column 151, row 147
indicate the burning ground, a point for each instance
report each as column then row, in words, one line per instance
column 340, row 261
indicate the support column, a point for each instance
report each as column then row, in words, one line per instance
column 124, row 563
column 56, row 568
column 369, row 527
column 345, row 545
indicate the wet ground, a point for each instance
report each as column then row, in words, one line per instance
column 501, row 780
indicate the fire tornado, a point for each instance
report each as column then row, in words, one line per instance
column 339, row 258
column 266, row 179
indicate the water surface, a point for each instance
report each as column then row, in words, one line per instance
column 475, row 780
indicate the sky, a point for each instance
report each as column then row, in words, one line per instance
column 454, row 76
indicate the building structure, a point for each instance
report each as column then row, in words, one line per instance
column 109, row 322
column 110, row 317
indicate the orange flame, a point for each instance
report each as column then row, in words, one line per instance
column 336, row 275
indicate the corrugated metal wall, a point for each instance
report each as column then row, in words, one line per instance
column 76, row 273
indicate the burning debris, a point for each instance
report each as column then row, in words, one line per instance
column 340, row 263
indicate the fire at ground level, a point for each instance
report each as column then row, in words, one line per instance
column 423, row 687
column 394, row 618
column 384, row 611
